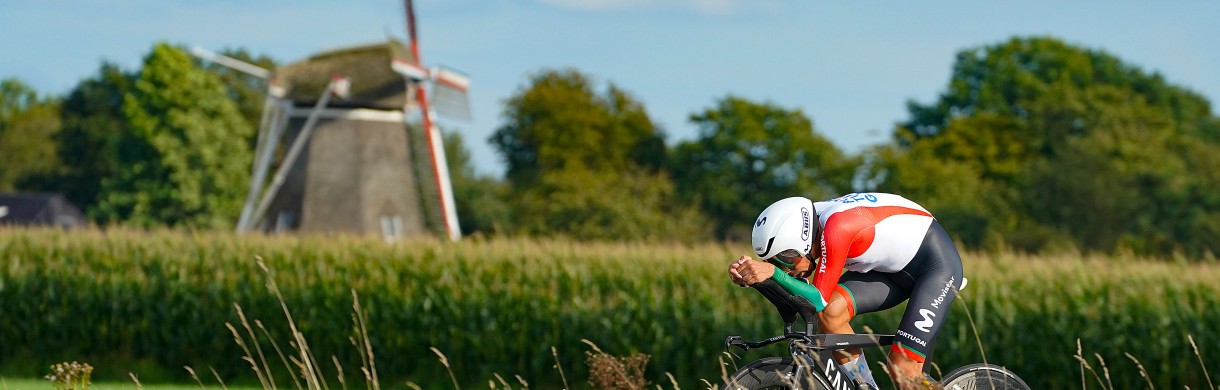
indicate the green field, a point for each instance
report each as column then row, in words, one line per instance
column 151, row 303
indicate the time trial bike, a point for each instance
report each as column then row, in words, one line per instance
column 810, row 363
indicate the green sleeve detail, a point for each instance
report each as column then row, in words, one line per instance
column 800, row 288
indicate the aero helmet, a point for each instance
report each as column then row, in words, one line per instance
column 786, row 225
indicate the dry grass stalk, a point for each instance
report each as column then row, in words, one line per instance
column 1143, row 372
column 974, row 328
column 339, row 368
column 278, row 351
column 1105, row 370
column 218, row 380
column 672, row 381
column 1204, row 366
column 502, row 381
column 257, row 348
column 136, row 379
column 306, row 364
column 563, row 377
column 248, row 357
column 360, row 317
column 196, row 377
column 445, row 362
column 1085, row 363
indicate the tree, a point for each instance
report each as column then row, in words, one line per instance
column 1064, row 146
column 1131, row 180
column 630, row 205
column 1005, row 79
column 93, row 125
column 961, row 175
column 28, row 124
column 748, row 155
column 559, row 122
column 247, row 91
column 587, row 165
column 185, row 161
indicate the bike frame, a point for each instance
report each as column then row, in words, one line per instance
column 808, row 344
column 818, row 348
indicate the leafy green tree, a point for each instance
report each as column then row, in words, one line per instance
column 1042, row 144
column 748, row 155
column 630, row 205
column 587, row 165
column 28, row 124
column 186, row 161
column 559, row 122
column 93, row 125
column 961, row 175
column 1131, row 180
column 1005, row 79
column 247, row 91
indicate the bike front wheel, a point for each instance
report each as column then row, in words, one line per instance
column 774, row 373
column 982, row 376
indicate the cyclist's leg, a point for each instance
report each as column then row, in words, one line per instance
column 936, row 283
column 859, row 293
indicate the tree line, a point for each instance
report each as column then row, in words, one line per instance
column 1034, row 144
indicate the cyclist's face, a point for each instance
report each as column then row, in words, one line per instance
column 786, row 258
column 792, row 262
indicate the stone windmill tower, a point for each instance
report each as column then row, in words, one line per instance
column 350, row 134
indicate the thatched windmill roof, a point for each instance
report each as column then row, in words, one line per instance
column 374, row 84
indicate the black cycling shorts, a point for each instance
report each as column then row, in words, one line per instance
column 931, row 280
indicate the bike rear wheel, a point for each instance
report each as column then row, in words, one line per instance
column 982, row 377
column 773, row 373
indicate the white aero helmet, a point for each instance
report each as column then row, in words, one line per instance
column 786, row 225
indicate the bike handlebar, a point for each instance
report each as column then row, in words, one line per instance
column 737, row 341
column 789, row 306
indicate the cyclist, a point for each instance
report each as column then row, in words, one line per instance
column 891, row 248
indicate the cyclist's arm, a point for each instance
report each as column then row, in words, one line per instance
column 799, row 288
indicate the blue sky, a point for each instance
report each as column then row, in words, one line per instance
column 850, row 67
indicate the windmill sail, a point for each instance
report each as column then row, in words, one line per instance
column 449, row 96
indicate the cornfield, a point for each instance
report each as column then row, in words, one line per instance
column 150, row 303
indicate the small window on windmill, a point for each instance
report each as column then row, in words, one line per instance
column 284, row 221
column 391, row 227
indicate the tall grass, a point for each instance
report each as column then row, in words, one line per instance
column 500, row 308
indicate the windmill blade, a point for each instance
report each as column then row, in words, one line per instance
column 409, row 70
column 232, row 63
column 449, row 93
column 451, row 78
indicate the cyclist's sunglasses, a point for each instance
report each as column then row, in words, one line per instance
column 786, row 258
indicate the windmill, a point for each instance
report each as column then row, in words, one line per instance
column 339, row 129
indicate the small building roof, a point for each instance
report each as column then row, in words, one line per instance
column 36, row 208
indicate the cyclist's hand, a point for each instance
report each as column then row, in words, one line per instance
column 746, row 271
column 733, row 274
